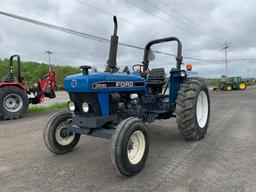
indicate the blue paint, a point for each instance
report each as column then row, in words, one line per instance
column 84, row 82
column 103, row 99
column 175, row 81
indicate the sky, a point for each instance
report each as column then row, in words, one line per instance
column 202, row 26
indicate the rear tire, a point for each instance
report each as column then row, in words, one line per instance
column 193, row 109
column 53, row 137
column 241, row 86
column 13, row 102
column 129, row 146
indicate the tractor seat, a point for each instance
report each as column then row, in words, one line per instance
column 156, row 79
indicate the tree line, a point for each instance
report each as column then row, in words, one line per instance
column 33, row 71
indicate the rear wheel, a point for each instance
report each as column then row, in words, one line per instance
column 56, row 136
column 193, row 109
column 13, row 102
column 129, row 146
column 241, row 86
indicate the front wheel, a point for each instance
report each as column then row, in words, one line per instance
column 129, row 146
column 193, row 109
column 56, row 136
column 228, row 87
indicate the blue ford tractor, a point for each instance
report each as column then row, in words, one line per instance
column 118, row 106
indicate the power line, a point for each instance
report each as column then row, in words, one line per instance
column 176, row 11
column 184, row 16
column 58, row 28
column 174, row 17
column 178, row 19
column 85, row 35
column 121, row 18
column 126, row 20
column 160, row 18
column 167, row 13
column 246, row 60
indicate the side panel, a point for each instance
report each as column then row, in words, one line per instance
column 103, row 99
column 177, row 77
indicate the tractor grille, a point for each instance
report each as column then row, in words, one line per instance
column 91, row 99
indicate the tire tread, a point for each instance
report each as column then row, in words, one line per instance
column 5, row 115
column 186, row 109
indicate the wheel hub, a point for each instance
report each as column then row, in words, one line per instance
column 136, row 147
column 242, row 86
column 12, row 102
column 63, row 135
column 202, row 109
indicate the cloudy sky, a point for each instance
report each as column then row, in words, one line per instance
column 201, row 25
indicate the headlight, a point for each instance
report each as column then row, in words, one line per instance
column 71, row 106
column 134, row 96
column 182, row 73
column 85, row 107
column 35, row 85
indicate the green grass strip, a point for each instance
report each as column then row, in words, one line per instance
column 55, row 106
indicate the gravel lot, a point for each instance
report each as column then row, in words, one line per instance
column 224, row 161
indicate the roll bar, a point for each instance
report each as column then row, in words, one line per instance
column 179, row 59
column 18, row 68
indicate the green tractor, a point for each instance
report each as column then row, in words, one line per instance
column 232, row 83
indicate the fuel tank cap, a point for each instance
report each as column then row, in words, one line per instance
column 85, row 69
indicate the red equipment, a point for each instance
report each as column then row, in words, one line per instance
column 44, row 88
column 15, row 96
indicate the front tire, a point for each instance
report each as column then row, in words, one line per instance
column 193, row 109
column 56, row 137
column 228, row 87
column 129, row 146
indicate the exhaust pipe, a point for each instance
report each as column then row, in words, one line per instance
column 111, row 63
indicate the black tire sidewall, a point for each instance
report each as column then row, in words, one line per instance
column 186, row 109
column 50, row 131
column 121, row 157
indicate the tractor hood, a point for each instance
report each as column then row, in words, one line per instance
column 104, row 82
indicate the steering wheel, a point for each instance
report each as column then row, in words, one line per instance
column 139, row 68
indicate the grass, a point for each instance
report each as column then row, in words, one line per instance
column 54, row 106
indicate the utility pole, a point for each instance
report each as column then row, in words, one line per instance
column 226, row 46
column 248, row 72
column 49, row 59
